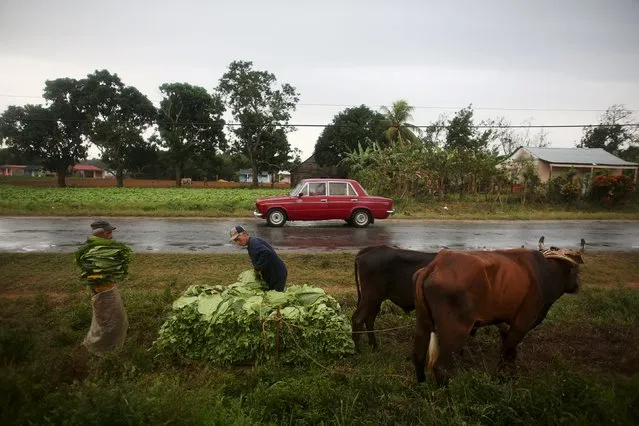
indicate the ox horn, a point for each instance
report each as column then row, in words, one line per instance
column 583, row 245
column 541, row 243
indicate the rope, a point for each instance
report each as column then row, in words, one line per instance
column 306, row 353
column 381, row 330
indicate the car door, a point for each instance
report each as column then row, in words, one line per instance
column 313, row 204
column 341, row 200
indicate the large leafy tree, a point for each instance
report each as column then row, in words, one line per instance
column 10, row 155
column 54, row 133
column 119, row 116
column 145, row 160
column 469, row 157
column 397, row 123
column 350, row 129
column 277, row 154
column 614, row 133
column 262, row 109
column 190, row 123
column 631, row 153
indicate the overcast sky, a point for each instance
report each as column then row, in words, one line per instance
column 562, row 55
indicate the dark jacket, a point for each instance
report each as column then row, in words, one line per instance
column 266, row 261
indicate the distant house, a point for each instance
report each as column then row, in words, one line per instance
column 552, row 162
column 12, row 170
column 284, row 177
column 87, row 171
column 20, row 170
column 310, row 169
column 246, row 175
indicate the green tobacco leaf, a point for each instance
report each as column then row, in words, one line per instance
column 208, row 305
column 237, row 323
column 275, row 298
column 104, row 257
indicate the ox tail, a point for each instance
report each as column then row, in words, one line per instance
column 433, row 350
column 359, row 254
column 420, row 279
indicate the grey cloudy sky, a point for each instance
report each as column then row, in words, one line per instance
column 439, row 55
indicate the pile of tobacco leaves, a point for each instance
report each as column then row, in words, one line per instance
column 238, row 324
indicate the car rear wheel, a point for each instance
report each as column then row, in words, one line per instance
column 276, row 217
column 361, row 218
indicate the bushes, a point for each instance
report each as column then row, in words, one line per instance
column 422, row 172
column 611, row 190
column 603, row 189
column 565, row 188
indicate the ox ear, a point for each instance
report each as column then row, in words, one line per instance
column 583, row 245
column 541, row 243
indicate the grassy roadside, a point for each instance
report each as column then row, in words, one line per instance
column 240, row 202
column 581, row 365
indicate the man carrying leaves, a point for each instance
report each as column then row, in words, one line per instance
column 103, row 262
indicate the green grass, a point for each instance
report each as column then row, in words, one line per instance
column 478, row 208
column 217, row 202
column 580, row 367
column 240, row 202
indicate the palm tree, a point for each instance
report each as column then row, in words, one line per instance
column 396, row 119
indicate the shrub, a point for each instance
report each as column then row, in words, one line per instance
column 566, row 188
column 611, row 190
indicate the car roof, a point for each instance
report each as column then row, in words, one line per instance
column 329, row 179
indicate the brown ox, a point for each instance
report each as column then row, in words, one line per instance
column 383, row 272
column 461, row 290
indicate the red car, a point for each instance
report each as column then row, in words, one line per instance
column 324, row 199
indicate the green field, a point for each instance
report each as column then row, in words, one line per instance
column 217, row 202
column 240, row 202
column 581, row 366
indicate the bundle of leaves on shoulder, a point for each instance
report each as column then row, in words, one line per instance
column 237, row 324
column 103, row 260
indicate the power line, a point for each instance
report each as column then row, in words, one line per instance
column 475, row 108
column 421, row 126
column 331, row 105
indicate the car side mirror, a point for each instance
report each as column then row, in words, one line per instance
column 300, row 195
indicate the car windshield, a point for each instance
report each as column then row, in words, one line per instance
column 297, row 189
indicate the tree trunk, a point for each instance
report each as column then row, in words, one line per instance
column 119, row 177
column 178, row 175
column 254, row 168
column 62, row 178
column 252, row 153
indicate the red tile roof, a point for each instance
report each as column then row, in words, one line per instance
column 86, row 168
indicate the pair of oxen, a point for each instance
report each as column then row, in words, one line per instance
column 456, row 292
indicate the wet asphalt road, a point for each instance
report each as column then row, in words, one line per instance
column 22, row 235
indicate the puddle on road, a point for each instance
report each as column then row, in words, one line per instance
column 175, row 236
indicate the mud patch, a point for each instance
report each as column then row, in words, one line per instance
column 599, row 350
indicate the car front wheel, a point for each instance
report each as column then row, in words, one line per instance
column 276, row 217
column 361, row 218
